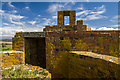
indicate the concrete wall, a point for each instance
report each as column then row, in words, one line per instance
column 79, row 66
column 33, row 44
column 58, row 45
column 102, row 42
column 72, row 23
column 61, row 15
column 82, row 66
column 12, row 58
column 18, row 42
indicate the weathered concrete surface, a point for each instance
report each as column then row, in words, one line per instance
column 33, row 34
column 12, row 58
column 18, row 42
column 93, row 66
column 102, row 42
column 99, row 56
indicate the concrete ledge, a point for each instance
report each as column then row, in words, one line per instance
column 11, row 52
column 99, row 56
column 12, row 58
column 33, row 34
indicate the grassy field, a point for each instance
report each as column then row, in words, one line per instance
column 6, row 40
column 6, row 48
column 7, row 44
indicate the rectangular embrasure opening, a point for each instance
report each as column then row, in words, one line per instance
column 35, row 53
column 66, row 20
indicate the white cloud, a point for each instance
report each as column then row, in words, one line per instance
column 54, row 17
column 10, row 4
column 14, row 11
column 53, row 23
column 27, row 8
column 32, row 22
column 107, row 28
column 1, row 11
column 54, row 7
column 94, row 14
column 17, row 23
column 93, row 28
column 39, row 15
column 9, row 32
column 94, row 17
column 81, row 7
column 5, row 24
column 46, row 21
column 33, row 29
column 72, row 1
column 15, row 19
column 87, row 0
column 115, row 19
column 99, row 12
column 115, row 26
column 101, row 8
column 112, row 20
column 85, row 12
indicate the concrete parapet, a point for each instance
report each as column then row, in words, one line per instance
column 86, row 65
column 99, row 56
column 12, row 58
column 33, row 34
column 70, row 13
column 88, row 29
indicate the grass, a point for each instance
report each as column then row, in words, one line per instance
column 6, row 40
column 6, row 48
column 24, row 71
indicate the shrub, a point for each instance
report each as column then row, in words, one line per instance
column 24, row 71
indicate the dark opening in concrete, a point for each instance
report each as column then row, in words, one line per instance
column 35, row 51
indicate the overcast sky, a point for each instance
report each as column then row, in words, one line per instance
column 33, row 16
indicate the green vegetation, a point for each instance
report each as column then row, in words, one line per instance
column 5, row 47
column 119, row 50
column 113, row 48
column 51, row 58
column 80, row 45
column 66, row 44
column 119, row 54
column 24, row 71
column 62, row 60
column 6, row 40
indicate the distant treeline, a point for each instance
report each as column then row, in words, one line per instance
column 6, row 40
